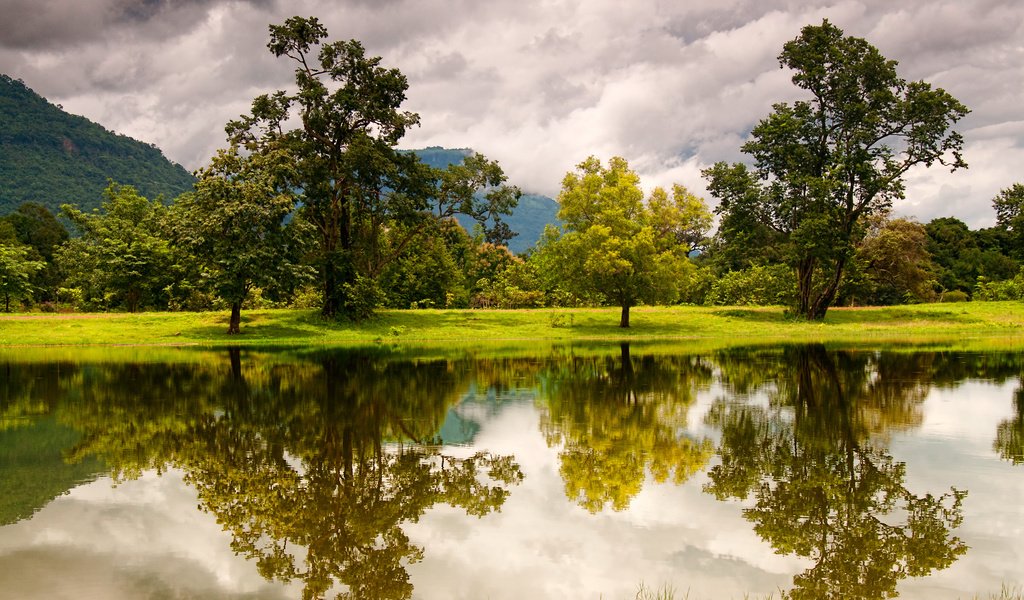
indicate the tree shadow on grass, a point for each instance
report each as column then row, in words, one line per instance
column 750, row 314
column 257, row 326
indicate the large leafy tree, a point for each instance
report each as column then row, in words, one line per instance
column 235, row 225
column 122, row 257
column 355, row 185
column 824, row 164
column 611, row 245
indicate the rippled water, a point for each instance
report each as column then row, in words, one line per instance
column 563, row 473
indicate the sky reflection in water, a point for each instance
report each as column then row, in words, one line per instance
column 574, row 473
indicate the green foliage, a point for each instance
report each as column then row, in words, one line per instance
column 50, row 157
column 16, row 271
column 954, row 296
column 123, row 257
column 757, row 285
column 993, row 291
column 825, row 164
column 517, row 286
column 234, row 225
column 890, row 266
column 610, row 244
column 33, row 225
column 961, row 255
column 1009, row 205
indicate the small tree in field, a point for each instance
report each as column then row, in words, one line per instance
column 612, row 244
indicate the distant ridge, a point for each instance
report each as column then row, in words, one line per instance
column 528, row 219
column 52, row 157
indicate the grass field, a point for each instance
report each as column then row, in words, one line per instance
column 999, row 324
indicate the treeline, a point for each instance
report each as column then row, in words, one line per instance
column 312, row 204
column 136, row 254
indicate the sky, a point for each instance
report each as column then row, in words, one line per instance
column 673, row 86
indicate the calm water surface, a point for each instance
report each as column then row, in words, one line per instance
column 572, row 473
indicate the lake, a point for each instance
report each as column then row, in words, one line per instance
column 550, row 472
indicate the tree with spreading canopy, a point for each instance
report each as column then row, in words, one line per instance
column 234, row 224
column 824, row 164
column 354, row 184
column 612, row 245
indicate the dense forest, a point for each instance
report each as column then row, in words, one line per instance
column 311, row 204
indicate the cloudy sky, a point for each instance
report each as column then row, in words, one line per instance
column 671, row 85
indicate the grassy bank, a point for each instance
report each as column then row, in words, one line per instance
column 990, row 323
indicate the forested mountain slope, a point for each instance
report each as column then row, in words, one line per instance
column 52, row 157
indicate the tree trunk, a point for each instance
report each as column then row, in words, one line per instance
column 7, row 303
column 235, row 356
column 624, row 320
column 828, row 295
column 236, row 318
column 810, row 306
column 804, row 287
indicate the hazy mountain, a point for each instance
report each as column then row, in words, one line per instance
column 52, row 157
column 528, row 219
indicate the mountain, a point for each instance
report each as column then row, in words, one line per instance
column 529, row 217
column 52, row 157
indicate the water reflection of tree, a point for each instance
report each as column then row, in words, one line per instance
column 822, row 483
column 1009, row 442
column 313, row 467
column 617, row 418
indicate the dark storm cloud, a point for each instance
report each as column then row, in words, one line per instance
column 57, row 24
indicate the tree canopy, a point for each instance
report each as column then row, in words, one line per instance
column 823, row 165
column 613, row 245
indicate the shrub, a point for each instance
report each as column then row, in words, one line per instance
column 954, row 296
column 1010, row 289
column 758, row 285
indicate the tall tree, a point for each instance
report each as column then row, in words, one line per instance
column 354, row 183
column 611, row 243
column 234, row 224
column 822, row 165
column 349, row 122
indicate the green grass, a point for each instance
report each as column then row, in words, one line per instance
column 988, row 324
